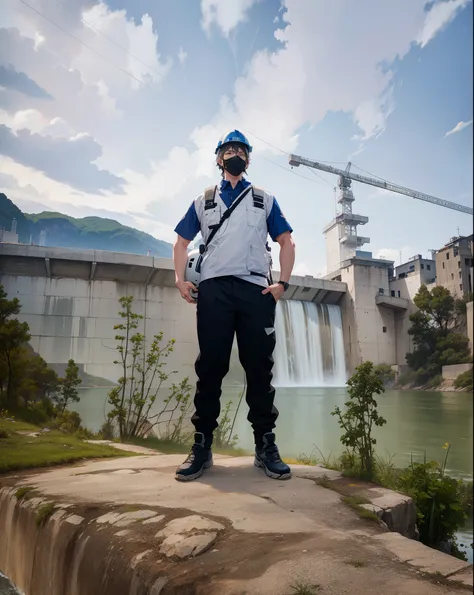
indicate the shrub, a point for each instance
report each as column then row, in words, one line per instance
column 361, row 415
column 440, row 500
column 68, row 422
column 107, row 430
column 464, row 380
column 435, row 381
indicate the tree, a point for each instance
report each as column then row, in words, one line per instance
column 143, row 376
column 361, row 415
column 435, row 342
column 67, row 392
column 13, row 337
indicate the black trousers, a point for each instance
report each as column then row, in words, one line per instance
column 228, row 306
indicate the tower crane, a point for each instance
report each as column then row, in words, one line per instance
column 346, row 175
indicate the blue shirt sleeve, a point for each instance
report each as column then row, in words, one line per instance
column 189, row 226
column 276, row 222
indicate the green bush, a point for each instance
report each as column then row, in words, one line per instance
column 435, row 381
column 441, row 501
column 464, row 380
column 385, row 372
column 68, row 422
column 36, row 412
column 107, row 430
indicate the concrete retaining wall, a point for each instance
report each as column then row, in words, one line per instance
column 452, row 372
column 62, row 557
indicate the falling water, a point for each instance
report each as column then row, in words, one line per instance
column 310, row 347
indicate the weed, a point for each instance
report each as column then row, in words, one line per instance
column 355, row 502
column 43, row 514
column 305, row 589
column 23, row 492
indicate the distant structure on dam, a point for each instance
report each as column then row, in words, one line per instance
column 326, row 326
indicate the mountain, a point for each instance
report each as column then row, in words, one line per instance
column 91, row 233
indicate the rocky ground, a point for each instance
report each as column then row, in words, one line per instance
column 236, row 532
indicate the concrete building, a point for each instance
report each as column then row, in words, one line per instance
column 408, row 277
column 375, row 321
column 342, row 239
column 454, row 266
column 9, row 237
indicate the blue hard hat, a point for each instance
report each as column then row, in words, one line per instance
column 234, row 137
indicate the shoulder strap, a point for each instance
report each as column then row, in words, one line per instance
column 260, row 192
column 227, row 213
column 209, row 193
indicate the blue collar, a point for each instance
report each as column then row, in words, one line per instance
column 241, row 185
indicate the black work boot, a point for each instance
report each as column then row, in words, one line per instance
column 268, row 457
column 199, row 458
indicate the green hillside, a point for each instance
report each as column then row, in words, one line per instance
column 93, row 233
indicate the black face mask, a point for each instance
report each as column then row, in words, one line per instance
column 235, row 165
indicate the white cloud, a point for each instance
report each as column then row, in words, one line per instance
column 182, row 56
column 438, row 17
column 226, row 14
column 459, row 126
column 317, row 71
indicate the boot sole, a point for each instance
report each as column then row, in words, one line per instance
column 258, row 463
column 196, row 475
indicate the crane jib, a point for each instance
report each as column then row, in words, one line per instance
column 297, row 160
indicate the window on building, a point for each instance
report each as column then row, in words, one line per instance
column 422, row 266
column 459, row 264
column 412, row 267
column 460, row 287
column 384, row 329
column 399, row 293
column 447, row 255
column 460, row 274
column 452, row 275
column 428, row 266
column 443, row 266
column 381, row 291
column 392, row 293
column 468, row 262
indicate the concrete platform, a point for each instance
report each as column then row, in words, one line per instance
column 234, row 531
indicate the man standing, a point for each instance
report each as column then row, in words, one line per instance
column 235, row 298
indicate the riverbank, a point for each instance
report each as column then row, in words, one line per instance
column 233, row 531
column 25, row 446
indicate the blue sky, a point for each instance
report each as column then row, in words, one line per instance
column 378, row 84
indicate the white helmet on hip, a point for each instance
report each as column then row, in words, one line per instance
column 191, row 274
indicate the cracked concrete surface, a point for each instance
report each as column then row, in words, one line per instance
column 267, row 535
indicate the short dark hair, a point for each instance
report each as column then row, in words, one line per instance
column 222, row 150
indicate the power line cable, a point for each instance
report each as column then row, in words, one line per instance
column 82, row 43
column 286, row 153
column 115, row 43
column 373, row 175
column 290, row 170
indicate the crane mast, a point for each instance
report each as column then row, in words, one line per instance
column 346, row 174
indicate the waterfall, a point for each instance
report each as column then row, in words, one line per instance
column 310, row 347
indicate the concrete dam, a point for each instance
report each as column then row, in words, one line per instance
column 70, row 300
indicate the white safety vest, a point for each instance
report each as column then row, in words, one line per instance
column 240, row 246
